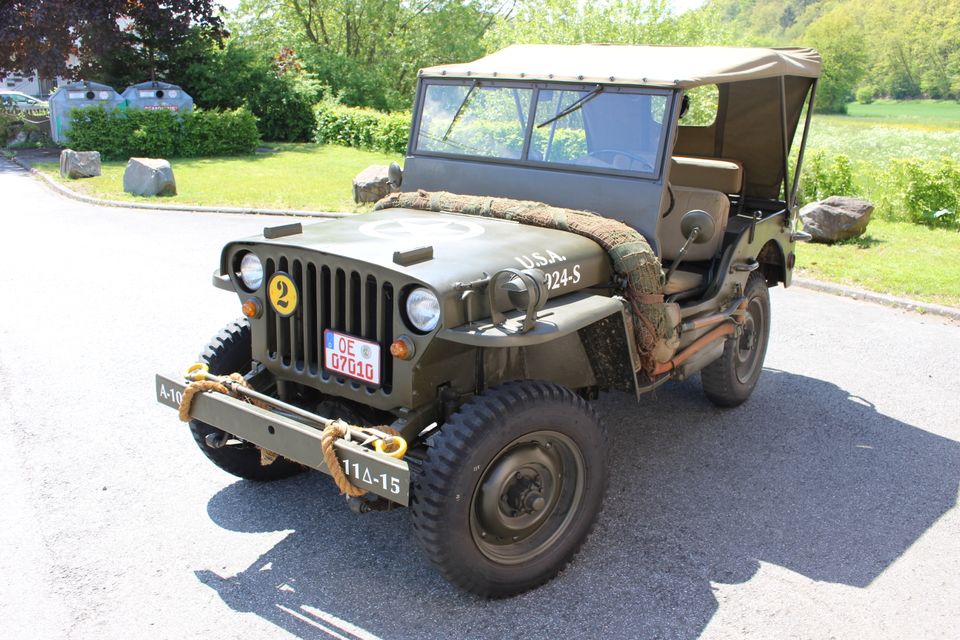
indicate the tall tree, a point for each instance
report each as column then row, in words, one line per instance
column 842, row 46
column 612, row 21
column 105, row 39
column 369, row 51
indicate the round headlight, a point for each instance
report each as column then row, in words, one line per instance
column 251, row 272
column 423, row 309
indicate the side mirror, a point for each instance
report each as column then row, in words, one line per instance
column 698, row 227
column 394, row 175
column 697, row 220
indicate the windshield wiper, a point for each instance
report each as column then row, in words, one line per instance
column 456, row 116
column 573, row 107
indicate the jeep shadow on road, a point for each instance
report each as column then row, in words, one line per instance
column 829, row 488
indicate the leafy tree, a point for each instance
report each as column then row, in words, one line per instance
column 911, row 47
column 368, row 51
column 273, row 89
column 842, row 46
column 116, row 41
column 614, row 22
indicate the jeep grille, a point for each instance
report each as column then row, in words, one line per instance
column 331, row 297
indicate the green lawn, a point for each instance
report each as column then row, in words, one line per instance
column 898, row 258
column 876, row 143
column 942, row 114
column 296, row 176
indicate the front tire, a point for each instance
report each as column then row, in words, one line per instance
column 511, row 487
column 230, row 351
column 730, row 379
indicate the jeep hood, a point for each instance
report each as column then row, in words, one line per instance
column 463, row 247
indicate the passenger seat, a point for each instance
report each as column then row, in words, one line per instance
column 697, row 183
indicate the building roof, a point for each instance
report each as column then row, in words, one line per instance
column 682, row 67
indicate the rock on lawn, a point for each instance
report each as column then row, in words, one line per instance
column 371, row 184
column 149, row 177
column 79, row 164
column 836, row 218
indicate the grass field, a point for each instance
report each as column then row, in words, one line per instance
column 893, row 257
column 898, row 258
column 875, row 143
column 296, row 176
column 938, row 114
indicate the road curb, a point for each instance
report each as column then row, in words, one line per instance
column 70, row 193
column 879, row 298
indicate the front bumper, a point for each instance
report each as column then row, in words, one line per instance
column 377, row 473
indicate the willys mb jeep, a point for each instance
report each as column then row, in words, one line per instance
column 556, row 230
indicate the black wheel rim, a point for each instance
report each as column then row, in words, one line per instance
column 750, row 342
column 527, row 497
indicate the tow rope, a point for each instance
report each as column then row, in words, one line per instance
column 385, row 440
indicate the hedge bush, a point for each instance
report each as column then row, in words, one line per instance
column 823, row 178
column 236, row 76
column 362, row 128
column 931, row 191
column 120, row 134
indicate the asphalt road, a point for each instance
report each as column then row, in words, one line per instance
column 826, row 507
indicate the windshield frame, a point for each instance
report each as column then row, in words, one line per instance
column 536, row 87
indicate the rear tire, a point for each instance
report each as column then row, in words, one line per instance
column 511, row 487
column 730, row 379
column 229, row 351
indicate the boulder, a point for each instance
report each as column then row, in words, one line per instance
column 79, row 164
column 149, row 177
column 371, row 184
column 836, row 218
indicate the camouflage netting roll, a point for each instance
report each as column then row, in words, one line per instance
column 633, row 259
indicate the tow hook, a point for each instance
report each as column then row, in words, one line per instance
column 216, row 439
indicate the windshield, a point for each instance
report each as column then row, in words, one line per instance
column 474, row 120
column 600, row 127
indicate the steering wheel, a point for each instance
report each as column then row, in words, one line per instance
column 617, row 152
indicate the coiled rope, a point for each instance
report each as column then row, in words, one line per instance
column 331, row 433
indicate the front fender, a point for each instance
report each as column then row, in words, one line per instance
column 559, row 317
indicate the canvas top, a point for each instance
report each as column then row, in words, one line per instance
column 665, row 66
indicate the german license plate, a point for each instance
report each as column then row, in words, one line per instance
column 352, row 357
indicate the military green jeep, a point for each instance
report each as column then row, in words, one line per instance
column 558, row 229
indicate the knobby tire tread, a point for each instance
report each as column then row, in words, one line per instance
column 448, row 450
column 229, row 351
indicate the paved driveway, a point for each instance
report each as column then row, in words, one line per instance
column 824, row 507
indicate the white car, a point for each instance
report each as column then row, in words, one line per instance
column 21, row 101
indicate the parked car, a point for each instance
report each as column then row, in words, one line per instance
column 558, row 229
column 15, row 100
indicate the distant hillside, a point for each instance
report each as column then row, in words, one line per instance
column 895, row 48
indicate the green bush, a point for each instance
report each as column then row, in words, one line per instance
column 823, row 178
column 361, row 128
column 9, row 125
column 219, row 133
column 866, row 94
column 236, row 77
column 119, row 135
column 931, row 191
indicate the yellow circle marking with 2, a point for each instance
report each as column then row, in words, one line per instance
column 283, row 294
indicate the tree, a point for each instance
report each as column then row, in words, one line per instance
column 368, row 51
column 613, row 22
column 116, row 41
column 841, row 44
